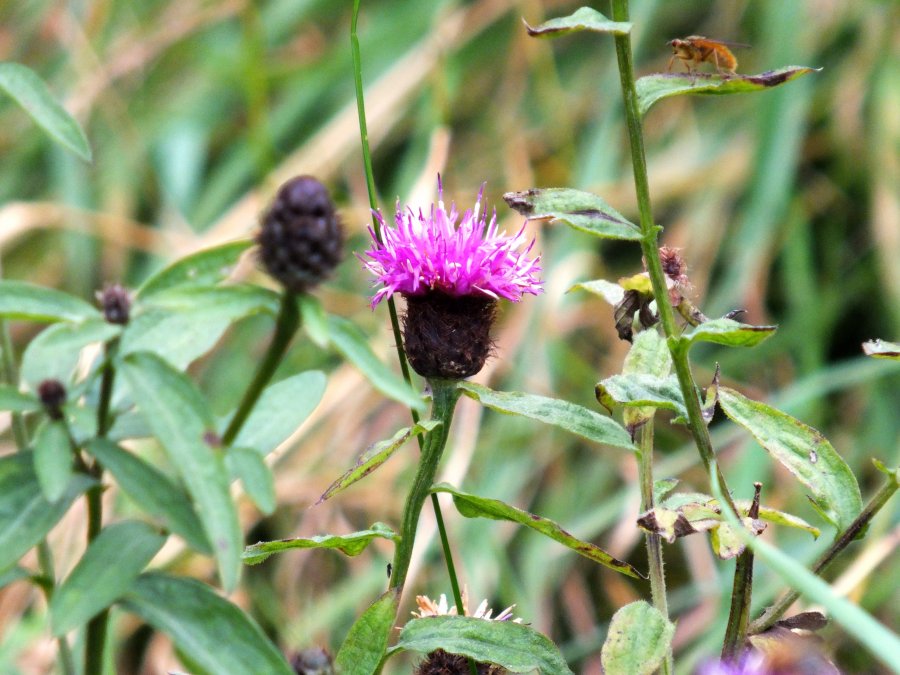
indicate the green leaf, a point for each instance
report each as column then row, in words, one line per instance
column 366, row 643
column 12, row 575
column 25, row 515
column 638, row 640
column 53, row 458
column 105, row 572
column 726, row 543
column 55, row 352
column 727, row 332
column 611, row 292
column 582, row 211
column 180, row 419
column 771, row 515
column 514, row 646
column 652, row 88
column 30, row 92
column 153, row 491
column 210, row 302
column 354, row 346
column 878, row 639
column 882, row 349
column 641, row 390
column 280, row 410
column 248, row 465
column 12, row 400
column 584, row 18
column 348, row 544
column 314, row 319
column 216, row 635
column 375, row 456
column 178, row 338
column 803, row 451
column 21, row 300
column 203, row 268
column 472, row 506
column 649, row 355
column 563, row 414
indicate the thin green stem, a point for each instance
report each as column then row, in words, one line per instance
column 776, row 611
column 742, row 589
column 286, row 326
column 10, row 374
column 653, row 540
column 650, row 249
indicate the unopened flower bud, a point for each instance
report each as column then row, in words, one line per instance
column 53, row 396
column 301, row 240
column 116, row 304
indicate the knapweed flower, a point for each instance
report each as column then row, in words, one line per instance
column 452, row 276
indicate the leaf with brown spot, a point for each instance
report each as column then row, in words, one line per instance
column 579, row 210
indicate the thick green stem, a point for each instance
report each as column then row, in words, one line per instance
column 444, row 396
column 742, row 588
column 650, row 249
column 776, row 611
column 286, row 326
column 653, row 540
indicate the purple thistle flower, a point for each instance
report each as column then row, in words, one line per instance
column 424, row 253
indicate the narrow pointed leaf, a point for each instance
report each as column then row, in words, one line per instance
column 21, row 300
column 584, row 18
column 27, row 89
column 727, row 332
column 514, row 646
column 12, row 400
column 248, row 465
column 153, row 491
column 801, row 450
column 580, row 210
column 652, row 88
column 642, row 390
column 638, row 640
column 25, row 515
column 354, row 346
column 366, row 643
column 105, row 572
column 216, row 635
column 375, row 456
column 53, row 458
column 280, row 410
column 348, row 544
column 563, row 414
column 180, row 419
column 472, row 506
column 882, row 349
column 203, row 268
column 55, row 352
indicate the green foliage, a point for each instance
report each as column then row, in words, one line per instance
column 639, row 638
column 348, row 544
column 53, row 459
column 204, row 268
column 248, row 465
column 584, row 18
column 12, row 400
column 727, row 332
column 582, row 211
column 20, row 300
column 365, row 645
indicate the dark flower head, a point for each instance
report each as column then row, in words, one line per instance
column 53, row 396
column 115, row 301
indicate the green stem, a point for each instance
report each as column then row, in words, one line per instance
column 742, row 588
column 20, row 431
column 776, row 611
column 653, row 540
column 650, row 249
column 286, row 326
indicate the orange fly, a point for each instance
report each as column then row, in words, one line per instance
column 698, row 49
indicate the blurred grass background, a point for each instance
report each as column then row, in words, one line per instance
column 785, row 203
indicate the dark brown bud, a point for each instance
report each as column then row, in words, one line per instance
column 53, row 396
column 313, row 661
column 440, row 662
column 116, row 304
column 448, row 337
column 301, row 240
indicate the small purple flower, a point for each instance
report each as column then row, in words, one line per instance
column 749, row 663
column 424, row 253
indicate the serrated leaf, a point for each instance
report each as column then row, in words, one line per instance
column 375, row 456
column 181, row 420
column 27, row 89
column 652, row 88
column 25, row 515
column 13, row 400
column 580, row 210
column 203, row 268
column 642, row 390
column 21, row 300
column 153, row 491
column 472, row 506
column 563, row 414
column 55, row 351
column 514, row 646
column 366, row 643
column 349, row 544
column 248, row 465
column 727, row 332
column 280, row 410
column 53, row 458
column 219, row 638
column 882, row 349
column 611, row 292
column 801, row 450
column 638, row 640
column 584, row 18
column 105, row 572
column 353, row 345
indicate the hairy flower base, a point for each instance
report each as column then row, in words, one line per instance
column 440, row 662
column 448, row 337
